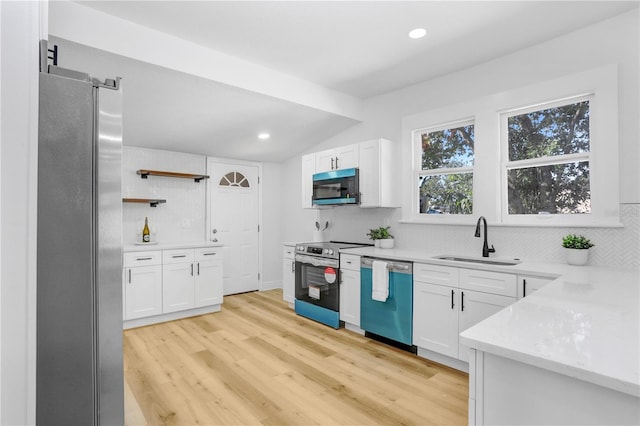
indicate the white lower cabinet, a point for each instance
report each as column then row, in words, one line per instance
column 444, row 304
column 288, row 273
column 528, row 284
column 435, row 318
column 142, row 289
column 350, row 289
column 162, row 282
column 178, row 287
column 208, row 277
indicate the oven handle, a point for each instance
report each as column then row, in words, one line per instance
column 314, row 261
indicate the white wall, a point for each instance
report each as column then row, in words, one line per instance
column 614, row 41
column 19, row 116
column 182, row 217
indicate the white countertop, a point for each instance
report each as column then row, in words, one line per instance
column 167, row 246
column 584, row 324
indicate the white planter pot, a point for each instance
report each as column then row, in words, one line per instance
column 386, row 243
column 376, row 243
column 577, row 257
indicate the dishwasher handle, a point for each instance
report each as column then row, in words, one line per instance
column 399, row 267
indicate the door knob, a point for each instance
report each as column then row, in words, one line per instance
column 215, row 240
column 215, row 231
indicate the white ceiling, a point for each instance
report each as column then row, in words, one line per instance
column 359, row 48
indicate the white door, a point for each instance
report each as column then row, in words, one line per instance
column 234, row 223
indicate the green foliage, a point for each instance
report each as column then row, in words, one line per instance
column 560, row 188
column 574, row 241
column 381, row 233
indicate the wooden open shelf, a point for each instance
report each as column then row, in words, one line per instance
column 145, row 173
column 151, row 201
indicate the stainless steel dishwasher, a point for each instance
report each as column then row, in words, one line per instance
column 393, row 318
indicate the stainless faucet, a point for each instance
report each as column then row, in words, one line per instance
column 485, row 248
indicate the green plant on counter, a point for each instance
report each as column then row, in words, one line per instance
column 573, row 241
column 381, row 233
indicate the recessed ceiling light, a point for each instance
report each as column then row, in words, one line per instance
column 417, row 33
column 264, row 136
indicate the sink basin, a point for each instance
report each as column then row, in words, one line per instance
column 485, row 261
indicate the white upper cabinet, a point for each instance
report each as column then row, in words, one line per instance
column 378, row 162
column 379, row 167
column 344, row 157
column 308, row 169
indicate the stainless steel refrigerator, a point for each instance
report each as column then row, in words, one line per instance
column 79, row 376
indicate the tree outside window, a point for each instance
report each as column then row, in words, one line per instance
column 548, row 167
column 445, row 179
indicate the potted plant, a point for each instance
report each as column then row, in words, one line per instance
column 577, row 248
column 381, row 237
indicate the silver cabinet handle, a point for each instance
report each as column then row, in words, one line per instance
column 198, row 268
column 452, row 294
column 336, row 163
column 178, row 256
column 293, row 266
column 129, row 275
column 331, row 163
column 524, row 287
column 209, row 254
column 192, row 269
column 462, row 300
column 215, row 240
column 144, row 258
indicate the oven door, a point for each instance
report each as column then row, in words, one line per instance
column 317, row 281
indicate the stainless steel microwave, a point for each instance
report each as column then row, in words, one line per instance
column 337, row 187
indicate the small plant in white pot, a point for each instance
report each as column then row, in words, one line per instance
column 577, row 249
column 381, row 237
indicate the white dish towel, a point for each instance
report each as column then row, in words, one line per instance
column 380, row 281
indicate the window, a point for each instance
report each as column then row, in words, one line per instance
column 545, row 154
column 445, row 174
column 236, row 179
column 548, row 165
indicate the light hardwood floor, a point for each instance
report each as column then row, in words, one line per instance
column 257, row 363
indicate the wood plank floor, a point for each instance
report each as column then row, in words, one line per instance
column 257, row 363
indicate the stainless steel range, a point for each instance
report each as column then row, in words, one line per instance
column 317, row 283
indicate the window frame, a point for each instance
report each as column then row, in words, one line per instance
column 419, row 171
column 490, row 197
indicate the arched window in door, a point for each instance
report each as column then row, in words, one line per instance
column 234, row 179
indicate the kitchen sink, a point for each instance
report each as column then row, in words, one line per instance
column 479, row 260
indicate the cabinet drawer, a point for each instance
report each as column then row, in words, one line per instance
column 142, row 258
column 288, row 252
column 211, row 253
column 177, row 256
column 350, row 262
column 435, row 274
column 488, row 282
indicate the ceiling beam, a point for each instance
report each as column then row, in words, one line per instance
column 84, row 25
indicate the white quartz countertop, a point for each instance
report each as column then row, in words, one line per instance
column 584, row 324
column 167, row 246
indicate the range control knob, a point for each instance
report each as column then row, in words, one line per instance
column 330, row 252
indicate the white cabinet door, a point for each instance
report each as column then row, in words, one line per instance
column 528, row 284
column 178, row 290
column 344, row 157
column 347, row 157
column 208, row 283
column 350, row 296
column 435, row 318
column 142, row 291
column 325, row 161
column 474, row 307
column 308, row 169
column 288, row 274
column 378, row 174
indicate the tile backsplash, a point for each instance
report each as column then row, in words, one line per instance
column 182, row 217
column 614, row 247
